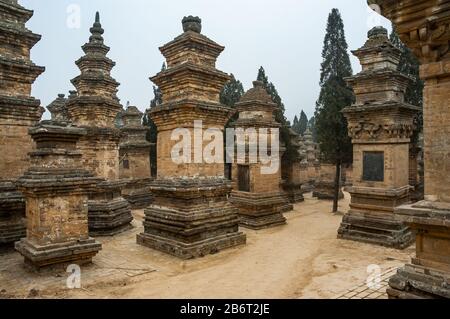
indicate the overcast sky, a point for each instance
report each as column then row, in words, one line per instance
column 284, row 36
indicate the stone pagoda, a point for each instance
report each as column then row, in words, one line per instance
column 424, row 27
column 380, row 124
column 56, row 188
column 18, row 112
column 257, row 194
column 292, row 171
column 191, row 216
column 134, row 156
column 95, row 107
column 58, row 109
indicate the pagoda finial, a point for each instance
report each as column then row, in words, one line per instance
column 96, row 29
column 192, row 23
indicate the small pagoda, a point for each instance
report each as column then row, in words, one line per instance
column 257, row 195
column 191, row 215
column 56, row 188
column 94, row 106
column 134, row 156
column 18, row 112
column 380, row 124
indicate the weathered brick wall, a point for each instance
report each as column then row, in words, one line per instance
column 15, row 144
column 437, row 129
column 100, row 157
column 138, row 165
column 58, row 219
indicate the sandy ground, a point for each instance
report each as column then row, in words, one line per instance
column 300, row 260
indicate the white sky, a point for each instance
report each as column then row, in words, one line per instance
column 284, row 36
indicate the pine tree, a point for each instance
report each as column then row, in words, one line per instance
column 291, row 153
column 410, row 65
column 331, row 125
column 303, row 123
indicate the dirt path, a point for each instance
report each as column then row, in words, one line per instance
column 300, row 260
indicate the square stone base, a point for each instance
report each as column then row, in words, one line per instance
column 259, row 211
column 191, row 250
column 76, row 252
column 417, row 282
column 191, row 218
column 108, row 218
column 378, row 230
column 12, row 214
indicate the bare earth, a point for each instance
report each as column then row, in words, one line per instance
column 300, row 260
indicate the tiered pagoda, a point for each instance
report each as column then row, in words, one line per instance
column 18, row 112
column 257, row 194
column 191, row 216
column 95, row 107
column 56, row 188
column 380, row 124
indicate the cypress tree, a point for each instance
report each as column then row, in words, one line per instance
column 303, row 123
column 295, row 124
column 330, row 124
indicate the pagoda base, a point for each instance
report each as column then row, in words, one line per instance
column 325, row 191
column 371, row 218
column 294, row 192
column 191, row 218
column 259, row 211
column 383, row 231
column 109, row 212
column 137, row 193
column 428, row 275
column 416, row 282
column 12, row 214
column 78, row 252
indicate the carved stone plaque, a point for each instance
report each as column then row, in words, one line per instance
column 373, row 166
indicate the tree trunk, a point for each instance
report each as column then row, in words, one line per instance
column 337, row 187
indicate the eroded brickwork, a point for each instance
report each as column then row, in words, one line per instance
column 135, row 159
column 56, row 189
column 261, row 204
column 191, row 215
column 18, row 112
column 95, row 107
column 424, row 27
column 380, row 124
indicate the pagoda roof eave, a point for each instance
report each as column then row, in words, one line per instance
column 390, row 105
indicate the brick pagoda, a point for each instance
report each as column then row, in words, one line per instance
column 18, row 112
column 256, row 194
column 95, row 107
column 191, row 216
column 380, row 124
column 56, row 188
column 134, row 156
